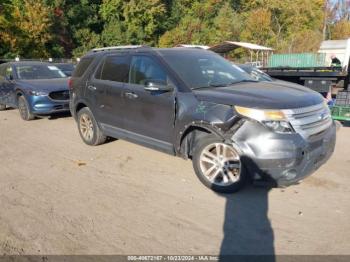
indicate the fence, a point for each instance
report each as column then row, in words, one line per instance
column 48, row 60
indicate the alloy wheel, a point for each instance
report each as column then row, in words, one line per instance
column 86, row 127
column 220, row 164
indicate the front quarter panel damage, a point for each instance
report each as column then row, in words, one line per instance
column 198, row 118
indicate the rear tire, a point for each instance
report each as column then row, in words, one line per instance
column 24, row 109
column 89, row 130
column 218, row 165
column 2, row 107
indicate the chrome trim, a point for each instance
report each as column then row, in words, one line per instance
column 302, row 110
column 121, row 47
column 309, row 121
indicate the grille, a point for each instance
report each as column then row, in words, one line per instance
column 59, row 95
column 309, row 121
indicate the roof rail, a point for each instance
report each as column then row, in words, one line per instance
column 121, row 47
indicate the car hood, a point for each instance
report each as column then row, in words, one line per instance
column 46, row 85
column 263, row 95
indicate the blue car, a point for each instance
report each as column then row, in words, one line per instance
column 66, row 68
column 35, row 88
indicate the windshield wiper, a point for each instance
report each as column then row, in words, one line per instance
column 244, row 81
column 203, row 87
column 225, row 85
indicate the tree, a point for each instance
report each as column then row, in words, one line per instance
column 31, row 22
column 261, row 34
column 88, row 40
column 227, row 25
column 338, row 22
column 143, row 21
column 196, row 24
column 69, row 19
column 132, row 22
column 64, row 27
column 7, row 30
column 290, row 18
column 341, row 29
column 342, row 10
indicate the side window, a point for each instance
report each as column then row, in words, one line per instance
column 8, row 71
column 116, row 68
column 99, row 69
column 2, row 72
column 82, row 66
column 144, row 68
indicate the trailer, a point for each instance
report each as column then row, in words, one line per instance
column 316, row 71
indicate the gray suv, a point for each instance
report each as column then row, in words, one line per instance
column 195, row 104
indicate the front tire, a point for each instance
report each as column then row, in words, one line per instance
column 24, row 109
column 218, row 165
column 89, row 130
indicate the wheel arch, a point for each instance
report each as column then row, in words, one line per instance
column 19, row 93
column 190, row 136
column 80, row 106
column 76, row 106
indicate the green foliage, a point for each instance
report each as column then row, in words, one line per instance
column 197, row 25
column 62, row 28
column 288, row 20
column 341, row 29
column 88, row 40
column 6, row 28
column 25, row 29
column 227, row 25
column 262, row 34
column 132, row 22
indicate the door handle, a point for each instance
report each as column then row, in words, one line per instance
column 92, row 88
column 131, row 95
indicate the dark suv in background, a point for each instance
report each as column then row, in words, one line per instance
column 195, row 104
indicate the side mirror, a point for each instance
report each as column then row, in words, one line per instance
column 157, row 86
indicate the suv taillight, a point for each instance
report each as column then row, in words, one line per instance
column 70, row 83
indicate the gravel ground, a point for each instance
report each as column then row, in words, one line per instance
column 59, row 196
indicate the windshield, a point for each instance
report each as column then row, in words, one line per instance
column 260, row 75
column 27, row 72
column 256, row 73
column 203, row 69
column 65, row 67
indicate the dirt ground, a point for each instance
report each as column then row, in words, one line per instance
column 59, row 196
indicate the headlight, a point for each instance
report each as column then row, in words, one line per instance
column 272, row 119
column 279, row 126
column 37, row 93
column 259, row 114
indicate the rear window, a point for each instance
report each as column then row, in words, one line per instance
column 82, row 66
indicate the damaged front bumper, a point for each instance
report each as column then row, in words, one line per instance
column 282, row 159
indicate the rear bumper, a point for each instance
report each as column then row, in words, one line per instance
column 43, row 105
column 71, row 108
column 284, row 159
